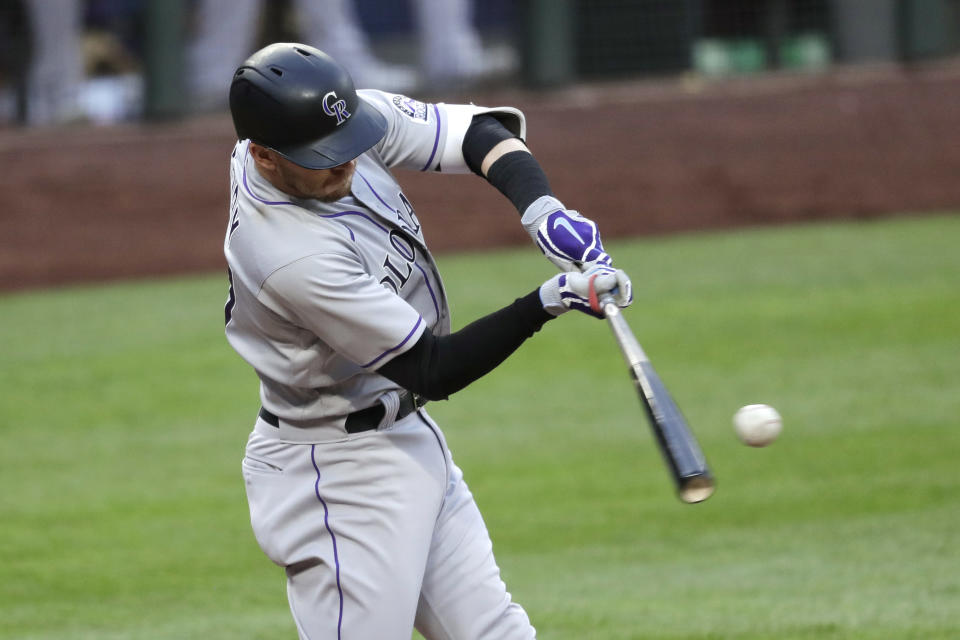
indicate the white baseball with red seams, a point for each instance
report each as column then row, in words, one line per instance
column 757, row 425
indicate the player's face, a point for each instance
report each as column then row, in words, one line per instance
column 326, row 185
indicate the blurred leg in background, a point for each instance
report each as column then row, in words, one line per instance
column 226, row 33
column 451, row 51
column 56, row 71
column 333, row 27
column 15, row 41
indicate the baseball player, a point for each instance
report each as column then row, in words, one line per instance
column 337, row 304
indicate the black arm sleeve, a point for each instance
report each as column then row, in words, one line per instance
column 437, row 366
column 516, row 175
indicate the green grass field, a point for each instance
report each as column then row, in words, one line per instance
column 124, row 415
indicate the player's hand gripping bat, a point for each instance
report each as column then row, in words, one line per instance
column 677, row 443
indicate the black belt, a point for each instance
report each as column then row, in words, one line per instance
column 364, row 419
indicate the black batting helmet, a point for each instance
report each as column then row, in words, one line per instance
column 301, row 103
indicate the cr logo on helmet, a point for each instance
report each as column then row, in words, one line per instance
column 337, row 109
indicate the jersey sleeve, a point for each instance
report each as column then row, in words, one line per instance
column 429, row 137
column 331, row 296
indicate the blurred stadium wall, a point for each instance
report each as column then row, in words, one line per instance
column 651, row 116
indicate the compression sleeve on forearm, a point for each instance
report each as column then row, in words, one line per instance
column 437, row 366
column 516, row 175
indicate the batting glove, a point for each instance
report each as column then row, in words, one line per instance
column 569, row 240
column 582, row 291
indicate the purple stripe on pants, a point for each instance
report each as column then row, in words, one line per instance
column 326, row 523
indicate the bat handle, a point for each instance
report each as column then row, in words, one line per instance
column 632, row 351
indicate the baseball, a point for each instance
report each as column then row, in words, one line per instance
column 757, row 425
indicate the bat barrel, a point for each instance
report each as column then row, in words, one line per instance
column 679, row 447
column 676, row 442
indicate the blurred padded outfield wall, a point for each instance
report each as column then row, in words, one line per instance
column 651, row 116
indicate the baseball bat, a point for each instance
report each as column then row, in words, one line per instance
column 679, row 447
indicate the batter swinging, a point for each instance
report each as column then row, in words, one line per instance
column 337, row 304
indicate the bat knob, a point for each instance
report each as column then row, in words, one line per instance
column 696, row 489
column 609, row 305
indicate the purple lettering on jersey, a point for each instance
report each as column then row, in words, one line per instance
column 231, row 300
column 401, row 277
column 403, row 246
column 234, row 211
column 410, row 213
column 406, row 204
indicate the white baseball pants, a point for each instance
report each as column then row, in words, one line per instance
column 378, row 534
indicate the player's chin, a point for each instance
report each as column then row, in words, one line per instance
column 337, row 191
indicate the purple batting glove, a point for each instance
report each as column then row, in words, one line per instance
column 583, row 291
column 569, row 240
column 622, row 292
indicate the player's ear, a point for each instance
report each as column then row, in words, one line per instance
column 264, row 157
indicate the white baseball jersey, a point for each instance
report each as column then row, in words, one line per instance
column 322, row 294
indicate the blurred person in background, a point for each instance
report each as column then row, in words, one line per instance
column 227, row 30
column 68, row 61
column 14, row 59
column 55, row 77
column 114, row 51
column 81, row 59
column 451, row 50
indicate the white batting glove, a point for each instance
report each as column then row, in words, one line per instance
column 569, row 240
column 582, row 291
